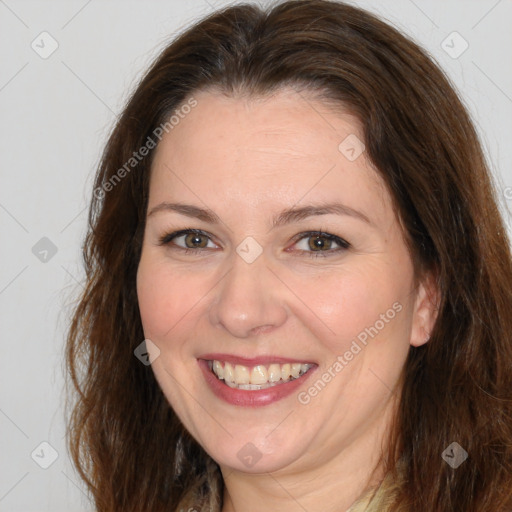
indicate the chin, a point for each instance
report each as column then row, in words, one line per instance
column 256, row 455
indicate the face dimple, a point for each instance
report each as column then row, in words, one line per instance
column 256, row 292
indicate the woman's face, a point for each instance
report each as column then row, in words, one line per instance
column 297, row 264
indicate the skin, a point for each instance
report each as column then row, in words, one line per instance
column 247, row 159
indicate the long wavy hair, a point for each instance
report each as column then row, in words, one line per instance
column 124, row 438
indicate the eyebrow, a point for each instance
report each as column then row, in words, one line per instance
column 297, row 214
column 188, row 210
column 294, row 214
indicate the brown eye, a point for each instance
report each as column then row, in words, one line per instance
column 319, row 243
column 194, row 240
column 188, row 239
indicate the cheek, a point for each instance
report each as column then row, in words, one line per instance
column 165, row 297
column 350, row 303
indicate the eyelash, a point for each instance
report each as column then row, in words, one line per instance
column 344, row 245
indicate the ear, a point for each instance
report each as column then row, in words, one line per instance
column 426, row 308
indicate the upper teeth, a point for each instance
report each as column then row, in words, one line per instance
column 259, row 376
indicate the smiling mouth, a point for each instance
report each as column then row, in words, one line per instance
column 259, row 376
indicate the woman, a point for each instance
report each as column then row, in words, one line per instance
column 295, row 215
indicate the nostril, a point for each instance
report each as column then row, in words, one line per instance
column 262, row 329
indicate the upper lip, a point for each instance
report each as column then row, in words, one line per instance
column 252, row 361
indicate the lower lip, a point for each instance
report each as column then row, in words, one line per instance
column 250, row 398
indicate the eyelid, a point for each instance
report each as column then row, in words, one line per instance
column 325, row 234
column 343, row 244
column 168, row 237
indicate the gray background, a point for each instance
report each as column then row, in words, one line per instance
column 55, row 115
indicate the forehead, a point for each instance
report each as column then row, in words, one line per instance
column 256, row 150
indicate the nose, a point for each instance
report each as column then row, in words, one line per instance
column 249, row 300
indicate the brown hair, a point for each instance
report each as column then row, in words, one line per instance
column 125, row 439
